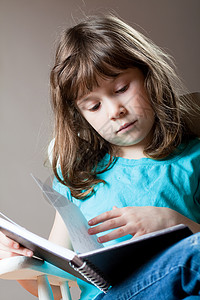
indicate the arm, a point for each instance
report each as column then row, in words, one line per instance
column 137, row 221
column 59, row 234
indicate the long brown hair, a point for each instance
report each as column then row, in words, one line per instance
column 104, row 46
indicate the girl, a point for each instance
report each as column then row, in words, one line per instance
column 124, row 152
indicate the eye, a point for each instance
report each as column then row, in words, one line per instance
column 123, row 89
column 95, row 107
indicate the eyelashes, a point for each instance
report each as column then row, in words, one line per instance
column 95, row 107
column 123, row 89
column 120, row 91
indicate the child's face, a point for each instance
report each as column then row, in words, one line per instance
column 119, row 109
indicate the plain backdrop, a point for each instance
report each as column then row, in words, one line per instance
column 28, row 31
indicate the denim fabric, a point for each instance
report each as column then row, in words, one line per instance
column 173, row 274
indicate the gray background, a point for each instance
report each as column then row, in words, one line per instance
column 28, row 30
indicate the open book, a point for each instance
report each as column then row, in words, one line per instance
column 90, row 261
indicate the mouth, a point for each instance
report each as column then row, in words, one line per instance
column 126, row 126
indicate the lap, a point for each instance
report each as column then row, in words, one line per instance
column 172, row 274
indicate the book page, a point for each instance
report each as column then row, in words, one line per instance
column 41, row 247
column 73, row 218
column 8, row 219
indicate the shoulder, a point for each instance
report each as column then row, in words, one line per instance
column 189, row 155
column 61, row 189
column 192, row 148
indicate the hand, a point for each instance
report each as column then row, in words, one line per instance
column 136, row 221
column 9, row 248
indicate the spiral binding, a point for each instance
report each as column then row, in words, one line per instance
column 92, row 276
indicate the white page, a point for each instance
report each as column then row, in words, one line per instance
column 75, row 221
column 35, row 239
column 8, row 219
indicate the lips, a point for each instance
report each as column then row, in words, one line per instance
column 126, row 126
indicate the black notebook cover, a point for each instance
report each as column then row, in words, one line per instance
column 119, row 261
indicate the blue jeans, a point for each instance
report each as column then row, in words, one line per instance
column 171, row 275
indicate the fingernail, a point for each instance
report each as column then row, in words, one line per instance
column 100, row 239
column 90, row 230
column 16, row 245
column 29, row 253
column 90, row 222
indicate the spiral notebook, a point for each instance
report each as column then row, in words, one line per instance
column 102, row 266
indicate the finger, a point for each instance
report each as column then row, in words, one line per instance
column 107, row 225
column 7, row 254
column 104, row 217
column 24, row 252
column 8, row 242
column 115, row 234
column 139, row 233
column 20, row 251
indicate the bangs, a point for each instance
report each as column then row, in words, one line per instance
column 90, row 62
column 88, row 53
column 85, row 74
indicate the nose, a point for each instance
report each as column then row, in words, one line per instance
column 116, row 110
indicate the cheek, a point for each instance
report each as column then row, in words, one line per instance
column 103, row 127
column 95, row 121
column 105, row 130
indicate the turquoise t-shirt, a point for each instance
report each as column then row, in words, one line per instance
column 173, row 182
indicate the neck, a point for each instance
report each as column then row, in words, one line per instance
column 135, row 151
column 131, row 152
